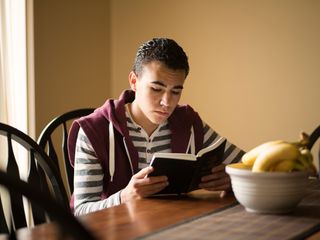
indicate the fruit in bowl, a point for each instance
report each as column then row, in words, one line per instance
column 272, row 177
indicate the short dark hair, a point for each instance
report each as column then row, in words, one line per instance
column 164, row 50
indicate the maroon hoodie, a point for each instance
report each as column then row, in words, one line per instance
column 96, row 127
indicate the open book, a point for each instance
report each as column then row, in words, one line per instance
column 184, row 171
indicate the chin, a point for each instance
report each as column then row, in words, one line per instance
column 158, row 121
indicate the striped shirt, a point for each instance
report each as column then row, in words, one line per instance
column 88, row 174
column 159, row 141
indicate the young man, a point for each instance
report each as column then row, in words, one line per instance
column 111, row 148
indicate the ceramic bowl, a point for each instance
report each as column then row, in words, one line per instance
column 267, row 192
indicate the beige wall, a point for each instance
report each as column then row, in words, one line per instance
column 72, row 60
column 255, row 65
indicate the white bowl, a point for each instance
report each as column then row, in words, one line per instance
column 267, row 192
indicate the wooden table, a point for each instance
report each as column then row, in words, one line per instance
column 137, row 218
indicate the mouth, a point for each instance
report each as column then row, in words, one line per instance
column 163, row 113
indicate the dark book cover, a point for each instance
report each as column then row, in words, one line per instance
column 184, row 171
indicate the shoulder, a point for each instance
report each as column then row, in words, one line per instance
column 188, row 114
column 93, row 120
column 182, row 120
column 185, row 111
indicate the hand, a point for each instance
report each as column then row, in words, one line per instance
column 218, row 180
column 142, row 186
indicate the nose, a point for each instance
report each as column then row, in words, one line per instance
column 165, row 100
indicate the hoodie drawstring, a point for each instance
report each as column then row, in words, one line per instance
column 111, row 151
column 127, row 151
column 191, row 144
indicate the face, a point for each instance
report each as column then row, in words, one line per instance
column 158, row 90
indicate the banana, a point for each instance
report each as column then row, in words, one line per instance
column 250, row 157
column 240, row 165
column 284, row 166
column 304, row 160
column 300, row 167
column 304, row 139
column 273, row 154
column 307, row 155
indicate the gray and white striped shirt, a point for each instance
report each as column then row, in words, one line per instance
column 88, row 174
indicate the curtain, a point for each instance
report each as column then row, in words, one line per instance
column 13, row 82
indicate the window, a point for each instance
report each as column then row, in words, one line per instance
column 16, row 73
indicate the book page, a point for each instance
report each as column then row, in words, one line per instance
column 211, row 147
column 179, row 156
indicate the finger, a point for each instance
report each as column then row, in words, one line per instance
column 215, row 183
column 154, row 179
column 147, row 181
column 143, row 172
column 218, row 168
column 223, row 194
column 148, row 190
column 214, row 176
column 225, row 187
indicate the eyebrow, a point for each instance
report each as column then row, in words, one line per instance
column 163, row 85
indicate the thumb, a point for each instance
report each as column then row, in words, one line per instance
column 144, row 172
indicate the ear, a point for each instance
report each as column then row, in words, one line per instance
column 133, row 80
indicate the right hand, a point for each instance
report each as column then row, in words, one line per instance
column 141, row 185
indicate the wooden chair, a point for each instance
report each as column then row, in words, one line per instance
column 68, row 224
column 314, row 136
column 46, row 142
column 42, row 174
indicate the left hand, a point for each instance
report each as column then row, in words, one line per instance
column 141, row 185
column 218, row 180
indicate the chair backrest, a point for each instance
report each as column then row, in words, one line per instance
column 313, row 137
column 46, row 142
column 69, row 225
column 42, row 174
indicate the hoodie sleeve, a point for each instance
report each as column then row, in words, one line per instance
column 88, row 179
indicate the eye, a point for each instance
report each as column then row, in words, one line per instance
column 176, row 92
column 155, row 89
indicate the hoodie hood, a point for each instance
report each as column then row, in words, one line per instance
column 114, row 111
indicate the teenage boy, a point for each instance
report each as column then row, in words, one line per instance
column 111, row 148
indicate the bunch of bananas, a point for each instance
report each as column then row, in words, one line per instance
column 281, row 156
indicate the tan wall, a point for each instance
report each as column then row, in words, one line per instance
column 255, row 65
column 71, row 56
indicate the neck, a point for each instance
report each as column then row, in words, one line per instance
column 139, row 118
